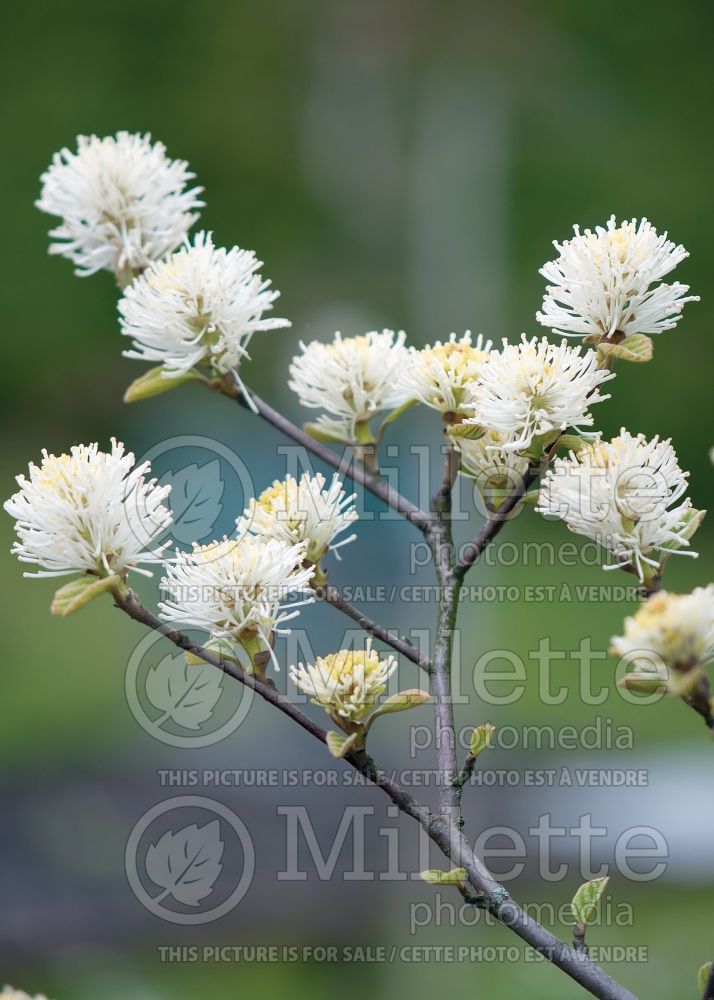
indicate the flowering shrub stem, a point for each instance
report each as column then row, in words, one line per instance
column 494, row 524
column 193, row 308
column 332, row 596
column 441, row 541
column 375, row 484
column 440, row 830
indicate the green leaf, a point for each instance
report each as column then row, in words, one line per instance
column 643, row 683
column 637, row 348
column 400, row 702
column 338, row 744
column 435, row 876
column 703, row 977
column 571, row 442
column 77, row 593
column 689, row 523
column 363, row 433
column 586, row 899
column 219, row 648
column 319, row 433
column 154, row 382
column 472, row 432
column 531, row 498
column 540, row 443
column 481, row 738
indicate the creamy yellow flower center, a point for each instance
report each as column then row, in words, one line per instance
column 350, row 666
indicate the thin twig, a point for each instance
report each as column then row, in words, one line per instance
column 355, row 470
column 464, row 775
column 499, row 518
column 439, row 830
column 441, row 541
column 332, row 596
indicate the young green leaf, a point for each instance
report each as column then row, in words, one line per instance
column 481, row 738
column 435, row 876
column 338, row 744
column 319, row 433
column 586, row 899
column 154, row 382
column 643, row 683
column 687, row 526
column 571, row 442
column 472, row 432
column 400, row 702
column 75, row 594
column 703, row 977
column 636, row 348
column 219, row 648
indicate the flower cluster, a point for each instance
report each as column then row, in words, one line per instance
column 535, row 388
column 351, row 379
column 89, row 512
column 610, row 281
column 490, row 462
column 443, row 375
column 346, row 684
column 669, row 632
column 239, row 591
column 303, row 510
column 121, row 201
column 192, row 308
column 624, row 494
column 201, row 306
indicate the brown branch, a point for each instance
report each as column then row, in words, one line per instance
column 332, row 596
column 356, row 471
column 500, row 517
column 464, row 775
column 441, row 542
column 441, row 832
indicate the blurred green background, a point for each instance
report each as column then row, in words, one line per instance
column 402, row 164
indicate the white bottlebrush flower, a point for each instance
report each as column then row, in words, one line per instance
column 89, row 511
column 535, row 388
column 669, row 632
column 121, row 201
column 202, row 305
column 624, row 494
column 351, row 379
column 303, row 510
column 346, row 684
column 443, row 375
column 611, row 281
column 489, row 461
column 239, row 591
